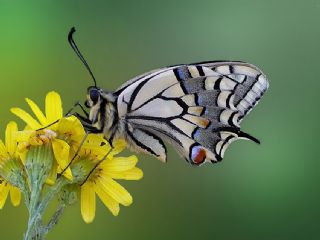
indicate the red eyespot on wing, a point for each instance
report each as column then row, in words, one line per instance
column 198, row 155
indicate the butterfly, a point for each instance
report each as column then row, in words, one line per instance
column 197, row 108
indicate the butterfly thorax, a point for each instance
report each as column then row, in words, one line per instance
column 103, row 112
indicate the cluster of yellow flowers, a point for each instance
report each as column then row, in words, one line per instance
column 61, row 157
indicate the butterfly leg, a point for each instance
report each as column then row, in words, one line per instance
column 87, row 124
column 69, row 113
column 78, row 104
column 76, row 154
column 49, row 125
column 97, row 164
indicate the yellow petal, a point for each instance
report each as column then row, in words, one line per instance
column 132, row 174
column 114, row 189
column 26, row 117
column 24, row 136
column 120, row 163
column 96, row 145
column 3, row 150
column 72, row 128
column 53, row 107
column 36, row 110
column 118, row 146
column 23, row 155
column 108, row 201
column 68, row 174
column 51, row 179
column 4, row 190
column 11, row 143
column 61, row 151
column 88, row 202
column 96, row 140
column 15, row 196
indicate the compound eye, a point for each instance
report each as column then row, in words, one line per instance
column 94, row 95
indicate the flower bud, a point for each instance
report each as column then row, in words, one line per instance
column 12, row 170
column 38, row 163
column 81, row 169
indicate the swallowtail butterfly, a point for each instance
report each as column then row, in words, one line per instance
column 197, row 108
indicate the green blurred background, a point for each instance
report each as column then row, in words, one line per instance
column 269, row 191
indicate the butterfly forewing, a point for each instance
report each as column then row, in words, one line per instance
column 197, row 108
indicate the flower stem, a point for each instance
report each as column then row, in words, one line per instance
column 55, row 218
column 35, row 229
column 51, row 193
column 34, row 217
column 38, row 164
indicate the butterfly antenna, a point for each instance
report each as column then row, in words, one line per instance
column 77, row 51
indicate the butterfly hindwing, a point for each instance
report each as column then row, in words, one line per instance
column 197, row 108
column 149, row 143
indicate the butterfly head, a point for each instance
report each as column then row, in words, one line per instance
column 96, row 95
column 93, row 102
column 102, row 107
column 93, row 97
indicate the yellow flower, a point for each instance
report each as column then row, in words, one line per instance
column 64, row 133
column 95, row 168
column 9, row 164
column 101, row 180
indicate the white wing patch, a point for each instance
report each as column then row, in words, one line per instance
column 194, row 71
column 159, row 108
column 184, row 126
column 229, row 117
column 189, row 100
column 221, row 83
column 151, row 88
column 174, row 91
column 127, row 92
